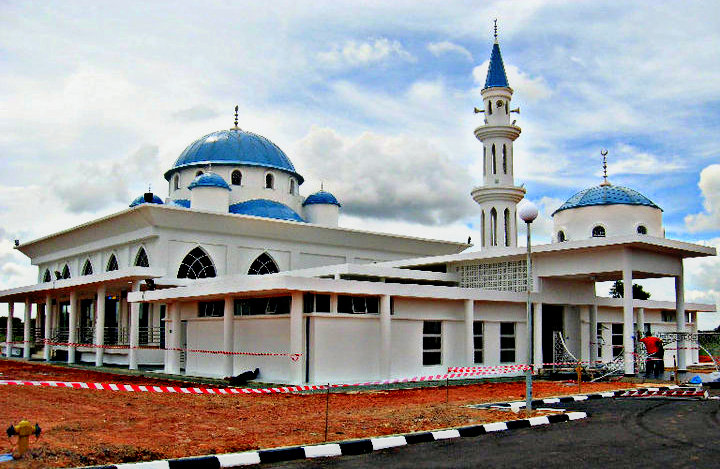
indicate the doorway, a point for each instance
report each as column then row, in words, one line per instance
column 552, row 321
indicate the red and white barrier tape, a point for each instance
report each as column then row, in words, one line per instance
column 284, row 389
column 292, row 356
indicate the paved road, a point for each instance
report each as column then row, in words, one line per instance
column 618, row 433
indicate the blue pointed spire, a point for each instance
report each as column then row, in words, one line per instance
column 496, row 71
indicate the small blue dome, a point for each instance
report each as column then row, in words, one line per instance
column 266, row 208
column 234, row 147
column 606, row 195
column 141, row 200
column 209, row 180
column 321, row 197
column 184, row 203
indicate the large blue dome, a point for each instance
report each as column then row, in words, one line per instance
column 234, row 147
column 606, row 195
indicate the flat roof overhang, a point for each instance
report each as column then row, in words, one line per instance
column 84, row 284
column 248, row 286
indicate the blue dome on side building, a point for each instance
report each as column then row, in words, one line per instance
column 209, row 180
column 234, row 147
column 141, row 200
column 606, row 194
column 321, row 197
column 266, row 208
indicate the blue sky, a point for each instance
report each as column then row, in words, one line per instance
column 374, row 99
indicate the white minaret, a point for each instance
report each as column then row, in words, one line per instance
column 498, row 196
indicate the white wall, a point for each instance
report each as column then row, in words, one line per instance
column 253, row 185
column 618, row 220
column 344, row 349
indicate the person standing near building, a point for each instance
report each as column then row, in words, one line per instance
column 655, row 362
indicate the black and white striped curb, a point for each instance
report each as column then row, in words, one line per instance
column 344, row 448
column 516, row 405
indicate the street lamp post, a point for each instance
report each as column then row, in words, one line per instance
column 528, row 212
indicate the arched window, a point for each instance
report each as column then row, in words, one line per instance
column 493, row 227
column 141, row 259
column 507, row 108
column 112, row 263
column 504, row 159
column 507, row 227
column 482, row 228
column 176, row 182
column 485, row 160
column 236, row 178
column 66, row 272
column 87, row 268
column 199, row 173
column 561, row 236
column 264, row 264
column 269, row 181
column 292, row 186
column 490, row 107
column 46, row 276
column 494, row 160
column 641, row 229
column 197, row 264
column 598, row 232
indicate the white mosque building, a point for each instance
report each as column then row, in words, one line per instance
column 235, row 260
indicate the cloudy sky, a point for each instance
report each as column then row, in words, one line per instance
column 374, row 99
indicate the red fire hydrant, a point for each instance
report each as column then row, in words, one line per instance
column 23, row 430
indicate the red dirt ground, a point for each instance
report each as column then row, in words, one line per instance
column 89, row 427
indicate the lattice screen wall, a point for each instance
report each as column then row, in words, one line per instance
column 499, row 276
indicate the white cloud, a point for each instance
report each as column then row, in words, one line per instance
column 710, row 187
column 397, row 177
column 447, row 47
column 531, row 88
column 354, row 54
column 91, row 186
column 628, row 159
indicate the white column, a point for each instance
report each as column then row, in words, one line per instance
column 469, row 332
column 333, row 303
column 385, row 337
column 48, row 326
column 8, row 331
column 134, row 329
column 594, row 340
column 26, row 329
column 628, row 344
column 172, row 361
column 228, row 336
column 296, row 338
column 537, row 341
column 640, row 320
column 694, row 352
column 680, row 320
column 100, row 325
column 585, row 332
column 72, row 326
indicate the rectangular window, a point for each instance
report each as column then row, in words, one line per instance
column 617, row 339
column 668, row 316
column 358, row 304
column 478, row 344
column 432, row 342
column 507, row 342
column 211, row 309
column 316, row 303
column 260, row 306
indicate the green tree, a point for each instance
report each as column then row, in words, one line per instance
column 618, row 291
